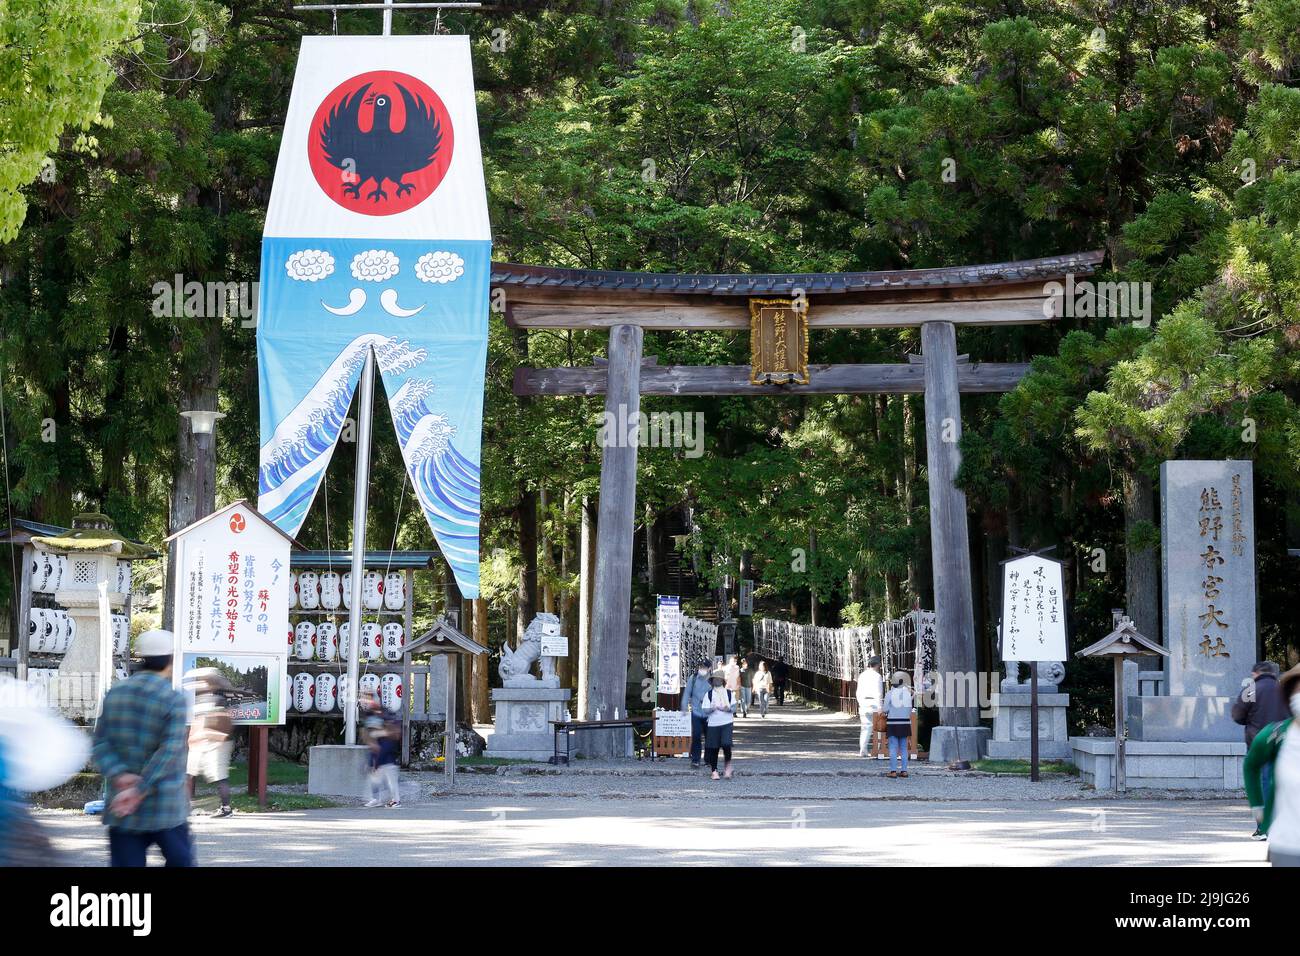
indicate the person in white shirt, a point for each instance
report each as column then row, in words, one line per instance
column 870, row 693
column 719, row 706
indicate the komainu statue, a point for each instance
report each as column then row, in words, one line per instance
column 517, row 665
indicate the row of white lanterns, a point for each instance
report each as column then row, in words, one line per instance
column 328, row 641
column 50, row 630
column 329, row 590
column 321, row 692
column 50, row 573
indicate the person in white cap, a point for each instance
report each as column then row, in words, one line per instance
column 140, row 749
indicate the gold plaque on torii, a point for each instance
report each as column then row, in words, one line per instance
column 778, row 342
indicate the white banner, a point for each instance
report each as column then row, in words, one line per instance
column 1033, row 610
column 668, row 628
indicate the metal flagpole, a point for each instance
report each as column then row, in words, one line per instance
column 360, row 501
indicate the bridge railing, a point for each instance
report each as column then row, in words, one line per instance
column 825, row 661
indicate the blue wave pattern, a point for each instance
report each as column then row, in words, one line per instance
column 431, row 363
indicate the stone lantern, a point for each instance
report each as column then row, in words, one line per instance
column 91, row 589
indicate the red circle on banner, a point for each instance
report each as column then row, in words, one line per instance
column 237, row 523
column 382, row 167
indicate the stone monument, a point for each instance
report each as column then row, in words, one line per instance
column 1207, row 530
column 526, row 703
column 1013, row 720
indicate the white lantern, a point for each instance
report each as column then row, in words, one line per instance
column 346, row 586
column 327, row 640
column 36, row 630
column 58, row 572
column 369, row 684
column 326, row 692
column 304, row 644
column 64, row 628
column 329, row 590
column 309, row 590
column 288, row 692
column 293, row 589
column 394, row 641
column 345, row 640
column 40, row 572
column 304, row 689
column 370, row 641
column 372, row 591
column 390, row 691
column 394, row 591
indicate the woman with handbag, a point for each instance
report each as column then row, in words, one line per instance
column 898, row 723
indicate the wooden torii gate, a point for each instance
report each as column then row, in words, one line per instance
column 628, row 303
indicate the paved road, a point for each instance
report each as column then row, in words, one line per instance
column 498, row 831
column 801, row 796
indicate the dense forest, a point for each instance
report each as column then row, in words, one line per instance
column 738, row 136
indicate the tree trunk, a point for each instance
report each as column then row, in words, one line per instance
column 1141, row 567
column 527, row 593
column 482, row 705
column 586, row 599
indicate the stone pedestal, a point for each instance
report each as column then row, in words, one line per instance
column 958, row 743
column 1161, row 765
column 522, row 728
column 1192, row 719
column 1012, row 724
column 86, row 670
column 339, row 770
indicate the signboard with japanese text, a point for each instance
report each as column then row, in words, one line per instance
column 668, row 628
column 1207, row 533
column 1033, row 610
column 746, row 601
column 231, row 589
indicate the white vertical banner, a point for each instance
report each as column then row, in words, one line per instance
column 1033, row 610
column 668, row 629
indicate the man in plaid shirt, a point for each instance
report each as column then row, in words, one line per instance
column 140, row 749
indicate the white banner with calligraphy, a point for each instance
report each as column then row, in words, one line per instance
column 1033, row 610
column 668, row 630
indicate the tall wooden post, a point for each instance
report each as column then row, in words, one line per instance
column 481, row 707
column 586, row 592
column 949, row 536
column 613, row 583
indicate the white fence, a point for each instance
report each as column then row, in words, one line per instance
column 841, row 652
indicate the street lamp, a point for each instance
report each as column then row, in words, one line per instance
column 203, row 424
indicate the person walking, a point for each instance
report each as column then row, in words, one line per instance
column 383, row 735
column 746, row 686
column 211, row 743
column 780, row 676
column 1259, row 704
column 870, row 694
column 763, row 687
column 1274, row 796
column 719, row 705
column 697, row 686
column 733, row 678
column 140, row 749
column 898, row 724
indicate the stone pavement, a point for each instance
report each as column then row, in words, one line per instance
column 801, row 796
column 469, row 831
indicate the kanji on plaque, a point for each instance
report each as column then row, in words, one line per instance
column 1033, row 610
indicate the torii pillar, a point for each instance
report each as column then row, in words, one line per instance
column 614, row 526
column 959, row 736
